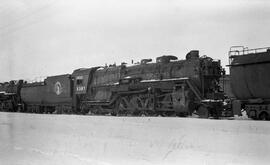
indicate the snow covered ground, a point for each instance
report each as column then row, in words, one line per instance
column 34, row 139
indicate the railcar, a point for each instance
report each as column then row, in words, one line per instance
column 249, row 77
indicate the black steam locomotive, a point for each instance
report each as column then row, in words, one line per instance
column 165, row 87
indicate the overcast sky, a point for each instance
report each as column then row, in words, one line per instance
column 50, row 37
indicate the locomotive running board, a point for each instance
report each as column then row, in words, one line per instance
column 165, row 80
column 97, row 102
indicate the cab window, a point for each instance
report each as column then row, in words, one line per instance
column 79, row 80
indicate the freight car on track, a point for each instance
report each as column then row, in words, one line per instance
column 166, row 87
column 250, row 79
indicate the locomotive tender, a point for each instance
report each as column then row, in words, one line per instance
column 165, row 87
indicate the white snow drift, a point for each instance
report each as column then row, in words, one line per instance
column 27, row 139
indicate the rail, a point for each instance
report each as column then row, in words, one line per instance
column 241, row 50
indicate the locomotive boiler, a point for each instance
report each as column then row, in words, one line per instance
column 249, row 69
